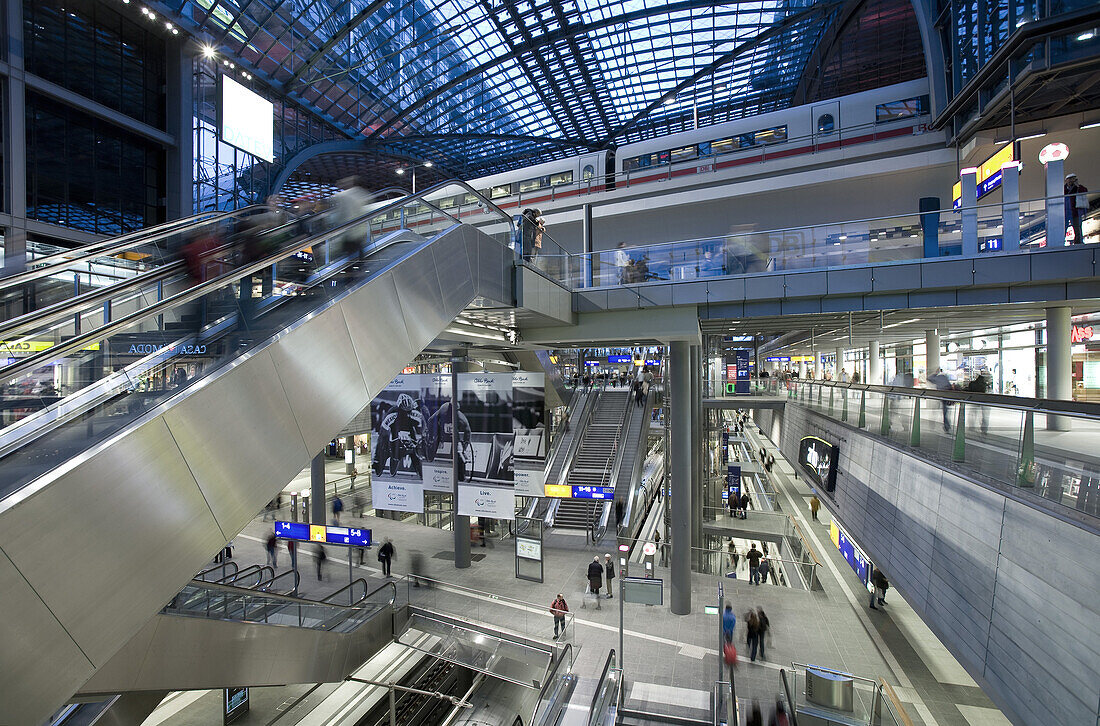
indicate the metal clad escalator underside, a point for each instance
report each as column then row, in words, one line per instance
column 160, row 495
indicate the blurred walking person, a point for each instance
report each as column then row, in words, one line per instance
column 558, row 609
column 272, row 557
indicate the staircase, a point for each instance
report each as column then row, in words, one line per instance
column 592, row 464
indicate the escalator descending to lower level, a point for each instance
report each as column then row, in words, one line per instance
column 157, row 476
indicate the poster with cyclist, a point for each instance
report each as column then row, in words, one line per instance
column 529, row 428
column 488, row 487
column 398, row 416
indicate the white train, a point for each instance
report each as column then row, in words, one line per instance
column 897, row 110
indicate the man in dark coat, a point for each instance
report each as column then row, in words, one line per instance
column 595, row 578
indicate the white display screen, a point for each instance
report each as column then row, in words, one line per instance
column 248, row 120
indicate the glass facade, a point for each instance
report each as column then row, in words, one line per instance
column 94, row 50
column 228, row 178
column 88, row 174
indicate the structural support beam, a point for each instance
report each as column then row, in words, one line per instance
column 459, row 364
column 874, row 363
column 1059, row 360
column 697, row 464
column 680, row 496
column 317, row 489
column 15, row 136
column 931, row 352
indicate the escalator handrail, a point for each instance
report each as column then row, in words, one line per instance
column 289, row 599
column 330, row 597
column 551, row 669
column 607, row 665
column 92, row 298
column 121, row 244
column 264, row 585
column 194, row 292
column 223, row 567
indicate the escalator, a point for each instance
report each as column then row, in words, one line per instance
column 178, row 419
column 592, row 465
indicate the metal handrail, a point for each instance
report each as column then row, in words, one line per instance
column 1019, row 403
column 31, row 362
column 268, row 584
column 350, row 587
column 223, row 567
column 840, row 223
column 608, row 669
column 120, row 244
column 290, row 599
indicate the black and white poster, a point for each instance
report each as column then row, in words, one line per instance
column 529, row 428
column 487, row 483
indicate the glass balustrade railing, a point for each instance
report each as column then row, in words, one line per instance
column 1044, row 447
column 67, row 387
column 222, row 602
column 878, row 240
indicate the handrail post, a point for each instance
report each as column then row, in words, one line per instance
column 914, row 431
column 959, row 454
column 1024, row 476
column 884, row 425
column 862, row 423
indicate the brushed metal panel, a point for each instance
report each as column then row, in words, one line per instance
column 947, row 273
column 140, row 529
column 838, row 303
column 622, row 298
column 591, row 302
column 452, row 263
column 1001, row 269
column 849, row 281
column 321, row 376
column 657, row 296
column 1063, row 264
column 240, row 439
column 693, row 293
column 806, row 284
column 183, row 653
column 421, row 298
column 801, row 306
column 764, row 286
column 377, row 328
column 725, row 290
column 42, row 664
column 897, row 277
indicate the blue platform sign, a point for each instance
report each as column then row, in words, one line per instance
column 587, row 492
column 743, row 371
column 619, row 359
column 733, row 481
column 325, row 534
column 725, row 446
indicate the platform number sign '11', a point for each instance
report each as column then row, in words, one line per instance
column 303, row 532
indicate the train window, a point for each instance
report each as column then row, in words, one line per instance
column 684, row 153
column 773, row 135
column 635, row 162
column 531, row 185
column 448, row 202
column 894, row 110
column 472, row 198
column 723, row 146
column 704, row 149
column 826, row 123
column 499, row 192
column 746, row 140
column 562, row 177
column 661, row 157
column 588, row 172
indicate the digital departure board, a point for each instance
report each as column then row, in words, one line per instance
column 587, row 492
column 303, row 532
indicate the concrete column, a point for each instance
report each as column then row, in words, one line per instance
column 801, row 369
column 317, row 489
column 15, row 142
column 1056, row 204
column 349, row 461
column 839, row 365
column 931, row 352
column 461, row 523
column 1010, row 211
column 680, row 425
column 969, row 211
column 697, row 468
column 586, row 239
column 180, row 159
column 1059, row 363
column 874, row 363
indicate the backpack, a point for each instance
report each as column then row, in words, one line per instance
column 729, row 653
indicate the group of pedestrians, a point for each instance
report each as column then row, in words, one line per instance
column 642, row 384
column 739, row 505
column 757, row 626
column 598, row 575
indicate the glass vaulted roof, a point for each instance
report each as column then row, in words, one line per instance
column 486, row 85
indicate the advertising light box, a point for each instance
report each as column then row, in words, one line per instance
column 818, row 459
column 247, row 120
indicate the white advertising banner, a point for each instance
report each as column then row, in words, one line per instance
column 437, row 477
column 530, row 441
column 400, row 496
column 487, row 484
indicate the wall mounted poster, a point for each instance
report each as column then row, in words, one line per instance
column 529, row 429
column 487, row 488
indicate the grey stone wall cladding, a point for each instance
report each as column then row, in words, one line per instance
column 1012, row 592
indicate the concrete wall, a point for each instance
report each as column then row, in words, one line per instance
column 1011, row 591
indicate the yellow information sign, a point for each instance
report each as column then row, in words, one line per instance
column 562, row 491
column 317, row 533
column 989, row 171
column 33, row 346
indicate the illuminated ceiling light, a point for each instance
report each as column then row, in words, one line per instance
column 231, row 66
column 168, row 25
column 903, row 322
column 175, row 31
column 1036, row 135
column 843, row 236
column 1089, row 125
column 207, row 51
column 225, row 62
column 1087, row 35
column 428, row 164
column 400, row 172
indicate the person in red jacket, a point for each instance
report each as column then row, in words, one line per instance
column 558, row 609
